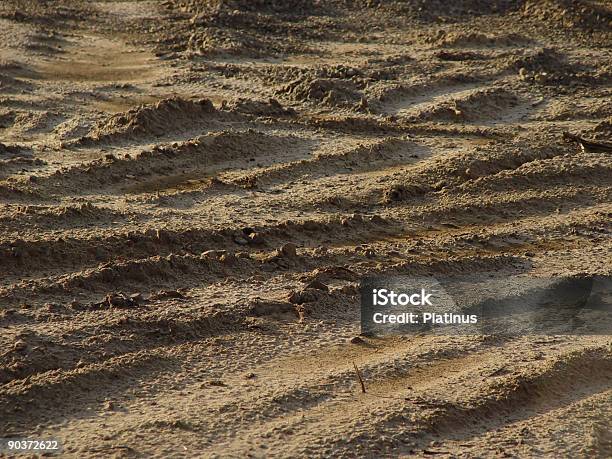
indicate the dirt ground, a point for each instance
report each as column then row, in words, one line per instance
column 190, row 191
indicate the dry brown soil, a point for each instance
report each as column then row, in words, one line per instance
column 174, row 174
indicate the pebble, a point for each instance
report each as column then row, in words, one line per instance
column 288, row 250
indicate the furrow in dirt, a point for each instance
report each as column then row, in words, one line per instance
column 23, row 255
column 453, row 170
column 566, row 379
column 382, row 153
column 21, row 399
column 198, row 158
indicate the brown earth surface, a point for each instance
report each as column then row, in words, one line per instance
column 174, row 175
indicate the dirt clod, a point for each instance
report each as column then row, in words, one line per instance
column 288, row 250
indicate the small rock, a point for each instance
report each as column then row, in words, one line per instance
column 288, row 250
column 357, row 340
column 249, row 375
column 20, row 345
column 136, row 298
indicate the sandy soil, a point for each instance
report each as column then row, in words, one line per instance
column 175, row 174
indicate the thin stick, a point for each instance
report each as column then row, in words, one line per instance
column 360, row 378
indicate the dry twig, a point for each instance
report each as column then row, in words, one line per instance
column 363, row 389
